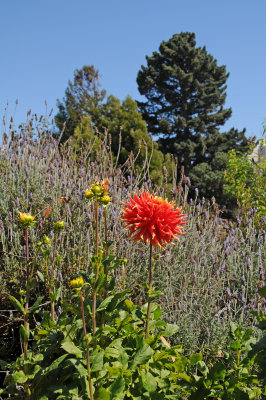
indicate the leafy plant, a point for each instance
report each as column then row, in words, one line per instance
column 245, row 179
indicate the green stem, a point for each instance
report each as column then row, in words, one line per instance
column 52, row 285
column 26, row 307
column 94, row 294
column 87, row 347
column 105, row 238
column 96, row 226
column 150, row 288
column 26, row 312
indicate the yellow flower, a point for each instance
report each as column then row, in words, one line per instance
column 46, row 240
column 77, row 283
column 59, row 225
column 26, row 219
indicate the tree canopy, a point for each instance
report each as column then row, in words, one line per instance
column 124, row 118
column 185, row 106
column 82, row 97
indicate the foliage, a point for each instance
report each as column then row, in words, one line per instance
column 259, row 349
column 82, row 97
column 185, row 91
column 209, row 278
column 127, row 134
column 245, row 179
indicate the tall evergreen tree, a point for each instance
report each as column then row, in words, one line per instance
column 82, row 97
column 185, row 91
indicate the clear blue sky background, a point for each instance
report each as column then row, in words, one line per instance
column 43, row 42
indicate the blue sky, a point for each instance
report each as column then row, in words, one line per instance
column 43, row 42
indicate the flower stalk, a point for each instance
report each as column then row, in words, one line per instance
column 149, row 292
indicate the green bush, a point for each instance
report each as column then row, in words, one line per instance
column 245, row 179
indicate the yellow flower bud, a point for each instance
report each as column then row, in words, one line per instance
column 46, row 239
column 26, row 220
column 59, row 225
column 77, row 283
column 88, row 194
column 105, row 200
column 97, row 189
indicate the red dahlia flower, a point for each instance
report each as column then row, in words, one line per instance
column 152, row 219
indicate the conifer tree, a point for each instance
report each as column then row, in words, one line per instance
column 82, row 97
column 185, row 92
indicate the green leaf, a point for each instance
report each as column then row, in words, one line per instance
column 217, row 372
column 111, row 352
column 40, row 275
column 195, row 358
column 235, row 345
column 16, row 304
column 103, row 394
column 24, row 333
column 104, row 304
column 148, row 381
column 202, row 367
column 170, row 330
column 97, row 360
column 71, row 348
column 36, row 304
column 108, row 259
column 56, row 362
column 117, row 386
column 32, row 283
column 142, row 356
column 19, row 377
column 233, row 328
column 184, row 377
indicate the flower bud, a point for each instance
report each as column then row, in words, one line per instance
column 46, row 240
column 26, row 220
column 105, row 200
column 59, row 225
column 97, row 189
column 88, row 194
column 77, row 283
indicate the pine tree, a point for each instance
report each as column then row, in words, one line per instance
column 185, row 91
